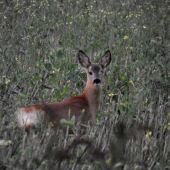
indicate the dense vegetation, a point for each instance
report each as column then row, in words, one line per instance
column 39, row 41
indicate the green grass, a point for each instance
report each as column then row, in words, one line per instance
column 39, row 41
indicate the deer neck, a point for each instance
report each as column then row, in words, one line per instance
column 92, row 93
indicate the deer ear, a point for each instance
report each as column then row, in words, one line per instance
column 106, row 59
column 83, row 59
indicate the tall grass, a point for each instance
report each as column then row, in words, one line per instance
column 39, row 41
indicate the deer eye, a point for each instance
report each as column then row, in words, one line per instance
column 90, row 72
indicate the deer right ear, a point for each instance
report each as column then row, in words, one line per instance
column 106, row 59
column 83, row 59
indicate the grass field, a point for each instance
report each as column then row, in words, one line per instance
column 39, row 41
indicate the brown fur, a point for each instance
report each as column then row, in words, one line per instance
column 86, row 103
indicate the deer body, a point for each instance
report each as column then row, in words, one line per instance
column 87, row 103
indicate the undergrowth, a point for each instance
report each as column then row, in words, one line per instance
column 39, row 41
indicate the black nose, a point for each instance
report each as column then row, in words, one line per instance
column 96, row 81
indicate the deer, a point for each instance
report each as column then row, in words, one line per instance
column 87, row 102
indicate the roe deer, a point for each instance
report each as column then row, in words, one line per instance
column 87, row 102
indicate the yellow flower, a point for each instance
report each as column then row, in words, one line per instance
column 44, row 162
column 71, row 161
column 52, row 125
column 7, row 81
column 126, row 37
column 109, row 160
column 144, row 27
column 148, row 134
column 111, row 94
column 167, row 126
column 131, row 82
column 131, row 48
column 8, row 142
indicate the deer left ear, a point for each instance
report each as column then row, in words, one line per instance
column 83, row 59
column 106, row 59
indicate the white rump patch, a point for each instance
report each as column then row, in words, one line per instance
column 31, row 118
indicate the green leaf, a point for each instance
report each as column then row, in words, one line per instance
column 59, row 54
column 66, row 89
column 48, row 66
column 24, row 95
column 64, row 122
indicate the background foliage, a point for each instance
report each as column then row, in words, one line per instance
column 39, row 41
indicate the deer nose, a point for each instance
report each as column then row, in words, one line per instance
column 96, row 81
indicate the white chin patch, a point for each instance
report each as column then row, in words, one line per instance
column 97, row 84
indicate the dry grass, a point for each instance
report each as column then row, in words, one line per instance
column 39, row 41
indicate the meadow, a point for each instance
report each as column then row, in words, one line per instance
column 39, row 42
